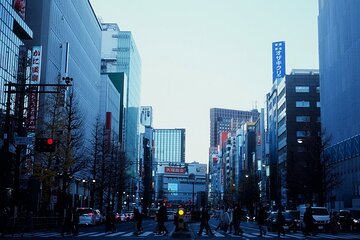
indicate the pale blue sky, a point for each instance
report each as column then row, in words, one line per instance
column 200, row 54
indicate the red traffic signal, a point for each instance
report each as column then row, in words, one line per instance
column 45, row 144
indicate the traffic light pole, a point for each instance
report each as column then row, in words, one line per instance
column 7, row 179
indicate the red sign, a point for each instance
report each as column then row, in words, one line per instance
column 177, row 170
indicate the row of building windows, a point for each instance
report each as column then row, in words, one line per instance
column 305, row 89
column 304, row 104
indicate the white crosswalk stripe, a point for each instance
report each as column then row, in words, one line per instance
column 115, row 234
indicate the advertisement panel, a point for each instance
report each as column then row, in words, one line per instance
column 146, row 116
column 177, row 170
column 34, row 79
column 278, row 59
column 20, row 7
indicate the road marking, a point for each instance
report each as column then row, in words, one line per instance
column 145, row 234
column 99, row 234
column 115, row 234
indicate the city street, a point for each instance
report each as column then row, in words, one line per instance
column 126, row 230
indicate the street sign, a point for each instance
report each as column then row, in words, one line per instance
column 23, row 140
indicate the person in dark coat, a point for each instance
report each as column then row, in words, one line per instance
column 137, row 221
column 261, row 218
column 205, row 217
column 68, row 221
column 309, row 222
column 76, row 219
column 161, row 218
column 280, row 221
column 237, row 214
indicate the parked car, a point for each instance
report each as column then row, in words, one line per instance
column 126, row 216
column 290, row 224
column 87, row 216
column 349, row 219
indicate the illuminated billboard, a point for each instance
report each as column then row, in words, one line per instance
column 278, row 60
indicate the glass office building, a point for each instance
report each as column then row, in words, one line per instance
column 169, row 145
column 121, row 62
column 13, row 31
column 339, row 59
column 70, row 36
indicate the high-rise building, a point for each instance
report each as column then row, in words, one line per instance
column 13, row 67
column 228, row 120
column 121, row 61
column 339, row 54
column 293, row 117
column 169, row 145
column 70, row 36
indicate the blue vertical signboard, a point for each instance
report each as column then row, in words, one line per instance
column 278, row 59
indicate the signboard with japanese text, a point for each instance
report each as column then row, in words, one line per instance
column 176, row 170
column 278, row 59
column 146, row 116
column 35, row 71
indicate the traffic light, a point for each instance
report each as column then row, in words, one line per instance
column 180, row 221
column 45, row 145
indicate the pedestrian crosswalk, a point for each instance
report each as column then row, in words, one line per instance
column 255, row 235
column 89, row 235
column 247, row 235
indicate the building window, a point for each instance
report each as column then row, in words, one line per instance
column 301, row 133
column 317, row 104
column 302, row 89
column 302, row 118
column 302, row 104
column 317, row 89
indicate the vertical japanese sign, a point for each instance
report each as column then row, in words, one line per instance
column 34, row 79
column 278, row 59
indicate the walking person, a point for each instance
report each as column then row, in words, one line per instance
column 231, row 215
column 334, row 223
column 205, row 217
column 68, row 221
column 309, row 222
column 226, row 221
column 137, row 221
column 280, row 221
column 261, row 218
column 237, row 214
column 221, row 218
column 108, row 220
column 161, row 218
column 76, row 219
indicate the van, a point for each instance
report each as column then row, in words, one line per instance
column 321, row 217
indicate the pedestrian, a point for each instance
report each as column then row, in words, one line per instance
column 161, row 218
column 68, row 221
column 75, row 222
column 137, row 221
column 226, row 220
column 334, row 223
column 237, row 214
column 108, row 220
column 29, row 222
column 231, row 215
column 221, row 218
column 205, row 217
column 4, row 218
column 309, row 222
column 280, row 221
column 261, row 218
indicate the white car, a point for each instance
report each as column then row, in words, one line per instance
column 87, row 216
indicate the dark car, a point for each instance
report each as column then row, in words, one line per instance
column 290, row 224
column 349, row 219
column 295, row 214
